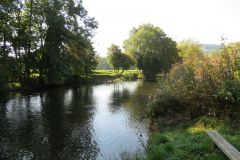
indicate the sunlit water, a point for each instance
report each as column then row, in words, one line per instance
column 87, row 122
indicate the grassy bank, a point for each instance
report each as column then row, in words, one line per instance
column 112, row 75
column 200, row 86
column 97, row 76
column 190, row 142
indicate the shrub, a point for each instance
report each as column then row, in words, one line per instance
column 3, row 77
column 205, row 86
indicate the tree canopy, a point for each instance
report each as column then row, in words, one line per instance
column 153, row 51
column 49, row 38
column 189, row 48
column 103, row 64
column 118, row 59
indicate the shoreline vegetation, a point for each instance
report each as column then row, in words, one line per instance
column 200, row 93
column 97, row 76
column 45, row 44
column 189, row 141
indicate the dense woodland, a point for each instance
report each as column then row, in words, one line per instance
column 45, row 42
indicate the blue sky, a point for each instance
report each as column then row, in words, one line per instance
column 202, row 20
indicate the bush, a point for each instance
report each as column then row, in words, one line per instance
column 205, row 86
column 3, row 77
column 208, row 86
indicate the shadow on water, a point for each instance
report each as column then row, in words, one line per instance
column 88, row 122
column 119, row 95
column 43, row 127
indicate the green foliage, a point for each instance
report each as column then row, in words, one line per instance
column 14, row 85
column 153, row 51
column 9, row 72
column 3, row 76
column 104, row 72
column 208, row 85
column 114, row 54
column 161, row 139
column 191, row 142
column 65, row 45
column 138, row 155
column 103, row 64
column 126, row 61
column 189, row 49
column 126, row 75
column 231, row 54
column 118, row 59
column 51, row 39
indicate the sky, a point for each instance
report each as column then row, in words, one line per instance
column 205, row 21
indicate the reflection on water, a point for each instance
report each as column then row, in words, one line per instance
column 87, row 122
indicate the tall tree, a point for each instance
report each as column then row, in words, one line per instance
column 50, row 38
column 118, row 59
column 153, row 51
column 189, row 50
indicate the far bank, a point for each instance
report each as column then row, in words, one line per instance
column 96, row 77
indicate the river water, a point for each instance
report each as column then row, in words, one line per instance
column 87, row 122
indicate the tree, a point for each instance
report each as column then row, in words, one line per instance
column 118, row 59
column 114, row 54
column 189, row 50
column 10, row 12
column 103, row 64
column 50, row 38
column 126, row 62
column 68, row 39
column 4, row 74
column 230, row 56
column 153, row 51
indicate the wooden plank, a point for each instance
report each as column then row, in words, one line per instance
column 231, row 152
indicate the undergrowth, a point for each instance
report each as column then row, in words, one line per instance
column 191, row 143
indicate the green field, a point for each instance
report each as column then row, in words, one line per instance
column 126, row 75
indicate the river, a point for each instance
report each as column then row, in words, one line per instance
column 86, row 122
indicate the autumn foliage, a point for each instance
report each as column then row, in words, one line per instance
column 207, row 84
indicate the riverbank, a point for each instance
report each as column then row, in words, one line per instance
column 189, row 140
column 97, row 77
column 103, row 76
column 207, row 86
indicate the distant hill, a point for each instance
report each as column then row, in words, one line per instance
column 211, row 47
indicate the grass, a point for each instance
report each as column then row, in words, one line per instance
column 191, row 143
column 126, row 75
column 188, row 142
column 125, row 155
column 14, row 85
column 113, row 73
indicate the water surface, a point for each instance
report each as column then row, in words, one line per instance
column 87, row 122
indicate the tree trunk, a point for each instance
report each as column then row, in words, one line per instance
column 122, row 72
column 41, row 65
column 29, row 41
column 17, row 50
column 4, row 45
